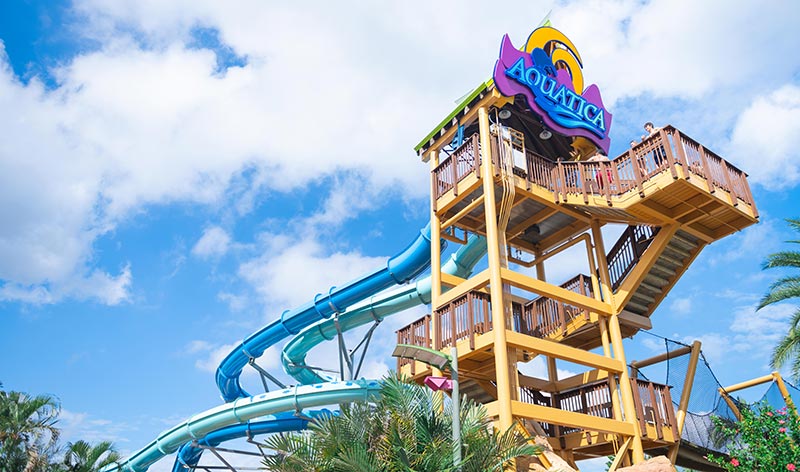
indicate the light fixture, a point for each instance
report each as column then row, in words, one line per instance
column 504, row 114
column 545, row 134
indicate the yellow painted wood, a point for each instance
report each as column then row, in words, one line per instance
column 581, row 379
column 501, row 358
column 782, row 387
column 467, row 209
column 546, row 414
column 620, row 455
column 476, row 282
column 615, row 337
column 555, row 292
column 450, row 280
column 563, row 352
column 749, row 383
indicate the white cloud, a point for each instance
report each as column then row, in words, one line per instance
column 214, row 243
column 668, row 48
column 290, row 272
column 83, row 426
column 538, row 368
column 152, row 121
column 766, row 138
column 681, row 306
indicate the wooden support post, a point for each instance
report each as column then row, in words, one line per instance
column 602, row 323
column 615, row 335
column 501, row 358
column 685, row 395
column 436, row 255
column 784, row 391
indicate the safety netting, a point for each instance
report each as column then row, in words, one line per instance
column 705, row 400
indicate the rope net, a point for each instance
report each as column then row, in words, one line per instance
column 705, row 400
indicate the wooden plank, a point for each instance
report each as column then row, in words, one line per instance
column 568, row 418
column 563, row 352
column 555, row 292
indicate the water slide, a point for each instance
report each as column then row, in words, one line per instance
column 233, row 419
column 400, row 269
column 377, row 307
column 239, row 411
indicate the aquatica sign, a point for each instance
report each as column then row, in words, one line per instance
column 548, row 73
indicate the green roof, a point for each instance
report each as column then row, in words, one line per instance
column 463, row 103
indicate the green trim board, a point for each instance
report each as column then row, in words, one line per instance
column 463, row 103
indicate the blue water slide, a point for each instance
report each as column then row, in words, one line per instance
column 376, row 308
column 380, row 306
column 400, row 269
column 189, row 454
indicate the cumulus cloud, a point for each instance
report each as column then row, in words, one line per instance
column 214, row 242
column 766, row 138
column 148, row 118
column 291, row 272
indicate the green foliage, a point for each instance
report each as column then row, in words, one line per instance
column 764, row 440
column 787, row 352
column 29, row 439
column 408, row 429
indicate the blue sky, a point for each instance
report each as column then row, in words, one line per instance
column 173, row 175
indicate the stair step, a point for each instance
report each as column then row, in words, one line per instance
column 683, row 254
column 647, row 286
column 645, row 298
column 664, row 273
column 668, row 259
column 651, row 279
column 636, row 307
column 683, row 240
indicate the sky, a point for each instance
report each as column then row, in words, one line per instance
column 175, row 174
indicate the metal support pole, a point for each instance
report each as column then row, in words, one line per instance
column 456, row 410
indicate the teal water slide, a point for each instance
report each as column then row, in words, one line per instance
column 356, row 304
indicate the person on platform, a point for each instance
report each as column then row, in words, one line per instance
column 650, row 129
column 600, row 158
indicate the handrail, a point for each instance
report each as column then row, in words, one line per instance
column 627, row 252
column 657, row 153
column 652, row 402
column 466, row 158
column 417, row 333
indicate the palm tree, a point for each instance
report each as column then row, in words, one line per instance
column 81, row 456
column 28, row 435
column 408, row 428
column 788, row 349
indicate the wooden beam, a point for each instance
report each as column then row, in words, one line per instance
column 569, row 418
column 477, row 282
column 564, row 233
column 555, row 292
column 563, row 352
column 581, row 379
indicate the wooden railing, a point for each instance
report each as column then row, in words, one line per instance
column 463, row 318
column 627, row 252
column 660, row 152
column 470, row 315
column 652, row 401
column 447, row 175
column 544, row 317
column 654, row 407
column 418, row 333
